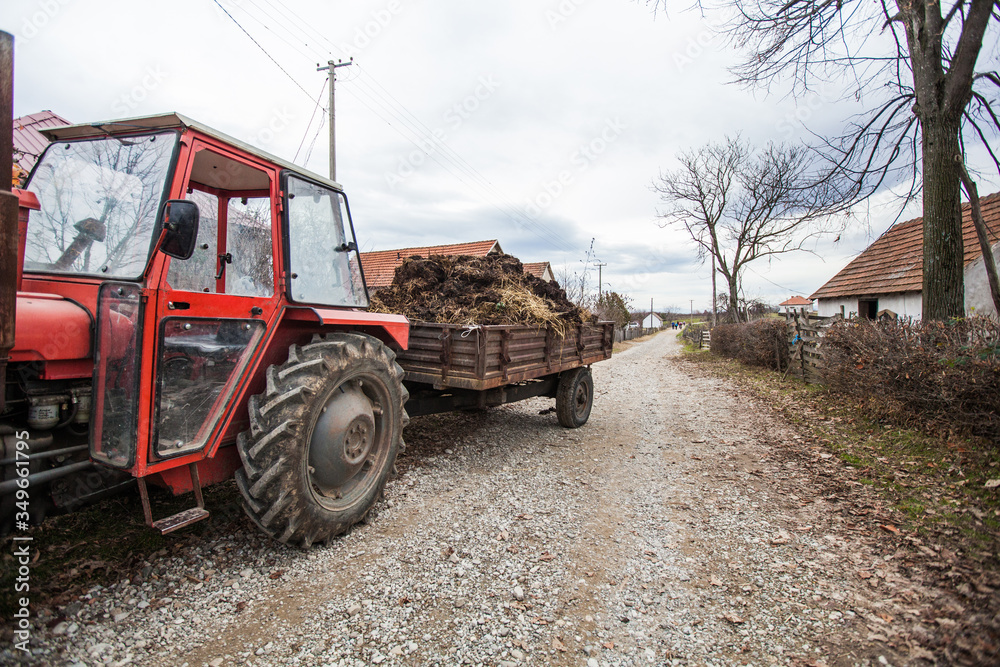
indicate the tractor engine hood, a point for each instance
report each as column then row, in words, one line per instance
column 51, row 328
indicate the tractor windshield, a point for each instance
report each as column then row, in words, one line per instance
column 99, row 201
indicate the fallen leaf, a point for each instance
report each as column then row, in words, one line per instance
column 558, row 645
column 608, row 645
column 546, row 556
column 864, row 574
column 889, row 528
column 276, row 574
column 715, row 581
column 885, row 617
column 503, row 535
column 733, row 618
column 781, row 537
column 992, row 484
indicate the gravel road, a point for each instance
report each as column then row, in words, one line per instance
column 668, row 530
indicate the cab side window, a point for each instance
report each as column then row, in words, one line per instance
column 234, row 253
column 248, row 240
column 197, row 274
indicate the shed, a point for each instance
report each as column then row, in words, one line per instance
column 652, row 321
column 795, row 304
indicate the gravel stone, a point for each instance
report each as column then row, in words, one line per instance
column 665, row 531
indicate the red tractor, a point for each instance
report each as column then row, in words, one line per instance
column 189, row 308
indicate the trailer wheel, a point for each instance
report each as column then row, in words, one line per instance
column 575, row 397
column 323, row 438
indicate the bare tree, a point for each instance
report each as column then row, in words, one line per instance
column 739, row 205
column 916, row 62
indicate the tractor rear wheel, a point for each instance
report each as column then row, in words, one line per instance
column 323, row 438
column 575, row 397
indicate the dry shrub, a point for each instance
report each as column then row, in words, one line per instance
column 760, row 343
column 940, row 376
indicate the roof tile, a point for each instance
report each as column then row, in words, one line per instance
column 894, row 262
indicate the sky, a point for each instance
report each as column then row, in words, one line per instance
column 541, row 124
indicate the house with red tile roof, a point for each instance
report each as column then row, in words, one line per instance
column 541, row 270
column 795, row 304
column 380, row 266
column 889, row 274
column 28, row 140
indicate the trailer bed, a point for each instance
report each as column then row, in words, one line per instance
column 485, row 357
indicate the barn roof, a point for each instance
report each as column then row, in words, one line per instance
column 380, row 266
column 894, row 262
column 797, row 301
column 29, row 141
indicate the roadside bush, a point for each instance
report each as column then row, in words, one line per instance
column 935, row 375
column 760, row 343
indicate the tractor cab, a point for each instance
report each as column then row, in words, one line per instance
column 166, row 267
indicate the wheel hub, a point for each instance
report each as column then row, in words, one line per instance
column 342, row 440
column 582, row 398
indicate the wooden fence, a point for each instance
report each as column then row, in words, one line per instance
column 805, row 344
column 634, row 332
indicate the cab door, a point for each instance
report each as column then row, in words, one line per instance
column 213, row 309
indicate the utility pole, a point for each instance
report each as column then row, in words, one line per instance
column 8, row 208
column 599, row 283
column 692, row 311
column 331, row 68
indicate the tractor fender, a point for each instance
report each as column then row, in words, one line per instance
column 51, row 328
column 393, row 330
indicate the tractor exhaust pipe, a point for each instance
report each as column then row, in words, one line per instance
column 8, row 211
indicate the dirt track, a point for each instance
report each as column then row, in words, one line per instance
column 671, row 529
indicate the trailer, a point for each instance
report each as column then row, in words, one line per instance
column 454, row 367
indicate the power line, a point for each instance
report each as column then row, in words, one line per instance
column 408, row 122
column 315, row 108
column 298, row 85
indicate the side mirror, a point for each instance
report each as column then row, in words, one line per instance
column 179, row 222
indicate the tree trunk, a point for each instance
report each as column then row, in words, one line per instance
column 734, row 301
column 944, row 256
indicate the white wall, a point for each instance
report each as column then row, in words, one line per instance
column 977, row 287
column 908, row 304
column 652, row 321
column 905, row 304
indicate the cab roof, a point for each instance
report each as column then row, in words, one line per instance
column 171, row 121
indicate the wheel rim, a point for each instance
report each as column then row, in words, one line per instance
column 581, row 398
column 348, row 443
